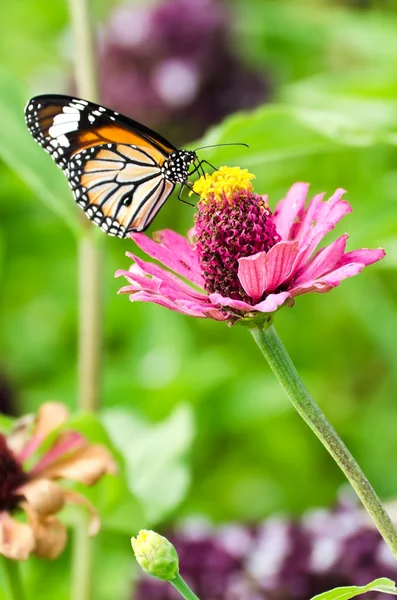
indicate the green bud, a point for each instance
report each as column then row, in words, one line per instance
column 156, row 555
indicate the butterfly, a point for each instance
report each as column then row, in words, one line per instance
column 121, row 172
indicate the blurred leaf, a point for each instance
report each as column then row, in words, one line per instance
column 356, row 108
column 154, row 456
column 273, row 133
column 90, row 425
column 23, row 154
column 345, row 593
column 6, row 423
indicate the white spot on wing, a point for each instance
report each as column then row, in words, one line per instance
column 63, row 140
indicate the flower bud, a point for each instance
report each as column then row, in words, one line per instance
column 156, row 555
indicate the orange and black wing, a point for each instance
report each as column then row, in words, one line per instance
column 113, row 164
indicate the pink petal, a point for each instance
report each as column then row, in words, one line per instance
column 325, row 217
column 366, row 256
column 209, row 310
column 324, row 261
column 174, row 252
column 289, row 209
column 301, row 227
column 328, row 281
column 272, row 302
column 252, row 274
column 151, row 277
column 162, row 301
column 280, row 260
column 229, row 302
column 138, row 280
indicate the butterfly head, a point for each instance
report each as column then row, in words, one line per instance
column 176, row 167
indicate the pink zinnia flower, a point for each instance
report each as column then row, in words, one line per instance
column 35, row 456
column 241, row 259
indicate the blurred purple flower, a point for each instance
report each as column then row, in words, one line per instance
column 172, row 67
column 278, row 560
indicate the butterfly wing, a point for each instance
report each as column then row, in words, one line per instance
column 113, row 164
column 121, row 188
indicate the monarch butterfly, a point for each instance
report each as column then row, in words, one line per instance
column 120, row 171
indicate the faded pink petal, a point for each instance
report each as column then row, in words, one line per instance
column 86, row 465
column 51, row 416
column 252, row 274
column 94, row 525
column 16, row 539
column 21, row 432
column 289, row 209
column 174, row 252
column 50, row 536
column 67, row 442
column 280, row 261
column 43, row 496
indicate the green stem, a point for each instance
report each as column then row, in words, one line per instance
column 82, row 560
column 90, row 312
column 182, row 587
column 12, row 577
column 89, row 345
column 89, row 253
column 282, row 366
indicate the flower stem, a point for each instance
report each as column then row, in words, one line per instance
column 12, row 577
column 182, row 587
column 282, row 366
column 89, row 346
column 89, row 254
column 82, row 561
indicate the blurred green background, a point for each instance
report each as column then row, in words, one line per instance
column 236, row 447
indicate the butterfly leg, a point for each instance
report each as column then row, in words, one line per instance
column 207, row 163
column 197, row 168
column 180, row 194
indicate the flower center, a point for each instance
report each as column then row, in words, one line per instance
column 232, row 222
column 11, row 477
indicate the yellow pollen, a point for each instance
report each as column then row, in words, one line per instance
column 228, row 181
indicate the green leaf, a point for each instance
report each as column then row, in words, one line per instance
column 154, row 456
column 6, row 423
column 355, row 109
column 272, row 132
column 344, row 593
column 26, row 157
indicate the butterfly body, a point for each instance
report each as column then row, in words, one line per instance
column 120, row 171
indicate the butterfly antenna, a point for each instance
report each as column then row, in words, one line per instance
column 216, row 145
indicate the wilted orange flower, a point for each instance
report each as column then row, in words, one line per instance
column 37, row 453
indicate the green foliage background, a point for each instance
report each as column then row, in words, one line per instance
column 196, row 387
